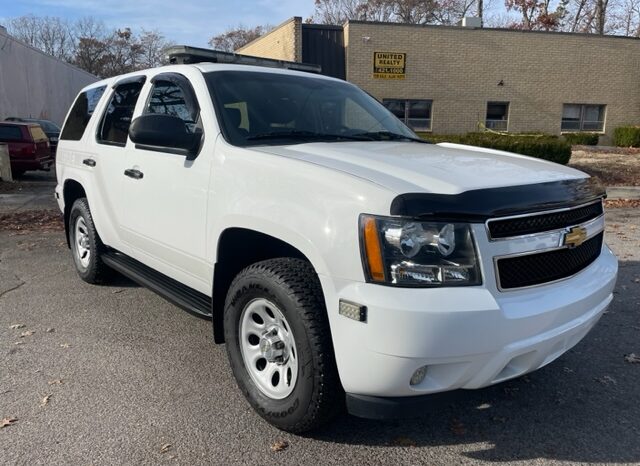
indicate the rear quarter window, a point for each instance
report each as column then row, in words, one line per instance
column 37, row 133
column 10, row 133
column 80, row 114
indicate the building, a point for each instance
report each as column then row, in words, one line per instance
column 456, row 79
column 34, row 84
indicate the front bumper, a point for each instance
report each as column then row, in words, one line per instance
column 467, row 337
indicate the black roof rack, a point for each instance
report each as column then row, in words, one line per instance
column 183, row 54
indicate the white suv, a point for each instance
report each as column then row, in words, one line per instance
column 343, row 260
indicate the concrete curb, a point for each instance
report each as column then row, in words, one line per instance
column 623, row 192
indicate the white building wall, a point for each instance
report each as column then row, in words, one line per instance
column 34, row 84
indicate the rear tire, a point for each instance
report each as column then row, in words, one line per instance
column 283, row 294
column 86, row 245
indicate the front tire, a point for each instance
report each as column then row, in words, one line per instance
column 279, row 344
column 86, row 245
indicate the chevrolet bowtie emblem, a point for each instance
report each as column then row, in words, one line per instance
column 575, row 237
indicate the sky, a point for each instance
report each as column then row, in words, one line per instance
column 190, row 22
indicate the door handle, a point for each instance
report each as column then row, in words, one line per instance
column 89, row 162
column 133, row 173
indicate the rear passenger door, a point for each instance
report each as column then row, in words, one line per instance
column 165, row 218
column 112, row 145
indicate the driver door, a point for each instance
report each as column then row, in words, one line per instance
column 165, row 216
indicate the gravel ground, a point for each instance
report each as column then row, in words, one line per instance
column 128, row 373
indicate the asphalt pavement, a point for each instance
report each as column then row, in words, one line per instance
column 116, row 375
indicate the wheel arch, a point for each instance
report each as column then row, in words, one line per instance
column 238, row 248
column 71, row 191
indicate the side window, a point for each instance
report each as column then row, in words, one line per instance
column 80, row 114
column 10, row 133
column 171, row 97
column 114, row 126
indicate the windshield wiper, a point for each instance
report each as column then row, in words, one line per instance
column 307, row 135
column 389, row 136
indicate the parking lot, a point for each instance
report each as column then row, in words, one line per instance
column 115, row 374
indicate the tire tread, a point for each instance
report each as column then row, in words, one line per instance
column 302, row 286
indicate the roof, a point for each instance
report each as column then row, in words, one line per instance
column 19, row 123
column 505, row 30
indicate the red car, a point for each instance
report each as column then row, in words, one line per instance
column 28, row 147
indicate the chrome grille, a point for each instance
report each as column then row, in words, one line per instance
column 502, row 228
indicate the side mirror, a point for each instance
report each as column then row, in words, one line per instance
column 165, row 133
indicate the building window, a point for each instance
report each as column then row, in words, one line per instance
column 497, row 116
column 416, row 114
column 583, row 117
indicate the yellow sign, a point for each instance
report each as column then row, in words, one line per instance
column 575, row 237
column 389, row 65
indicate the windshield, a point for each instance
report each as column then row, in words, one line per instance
column 272, row 108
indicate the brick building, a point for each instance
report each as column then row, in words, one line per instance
column 455, row 79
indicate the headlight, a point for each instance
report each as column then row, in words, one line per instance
column 407, row 252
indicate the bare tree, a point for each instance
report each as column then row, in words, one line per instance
column 87, row 44
column 623, row 18
column 124, row 53
column 398, row 11
column 338, row 11
column 51, row 35
column 452, row 11
column 601, row 15
column 234, row 38
column 153, row 46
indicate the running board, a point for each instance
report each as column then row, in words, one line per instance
column 173, row 291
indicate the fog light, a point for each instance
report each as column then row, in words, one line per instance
column 353, row 311
column 418, row 376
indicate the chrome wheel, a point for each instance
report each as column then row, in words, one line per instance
column 81, row 242
column 268, row 349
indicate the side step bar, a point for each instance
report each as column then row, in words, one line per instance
column 173, row 291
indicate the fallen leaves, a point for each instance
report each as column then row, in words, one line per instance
column 632, row 358
column 17, row 326
column 612, row 166
column 33, row 220
column 45, row 400
column 606, row 380
column 50, row 330
column 55, row 382
column 28, row 333
column 8, row 421
column 165, row 447
column 279, row 445
column 621, row 203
